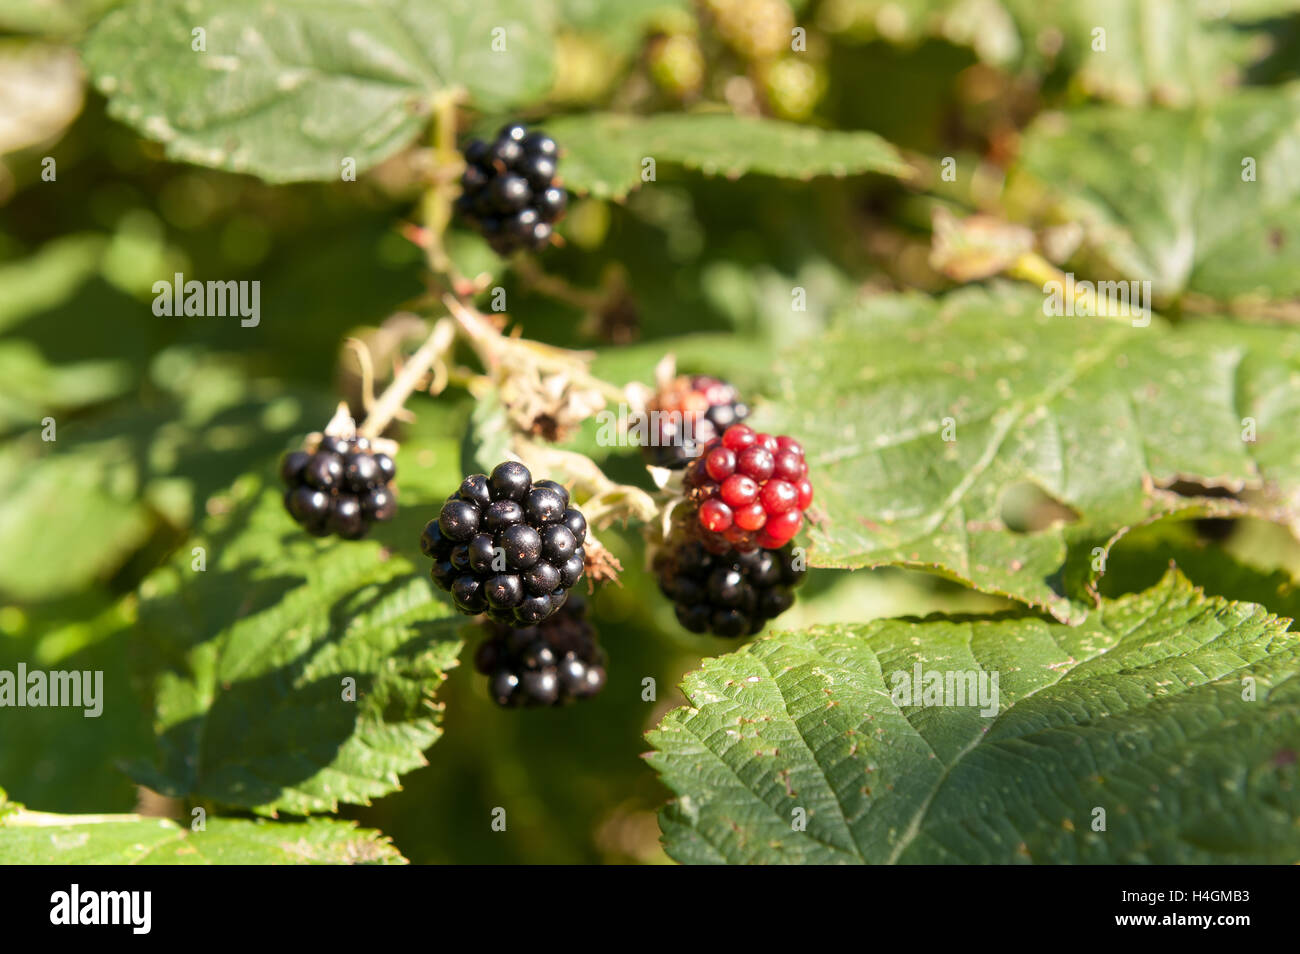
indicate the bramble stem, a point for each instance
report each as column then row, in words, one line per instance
column 490, row 345
column 408, row 379
column 556, row 288
column 437, row 202
column 608, row 500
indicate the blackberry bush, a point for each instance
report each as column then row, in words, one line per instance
column 729, row 594
column 686, row 415
column 506, row 546
column 550, row 663
column 509, row 189
column 1009, row 377
column 750, row 490
column 341, row 487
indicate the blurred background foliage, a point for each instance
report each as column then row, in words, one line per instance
column 156, row 415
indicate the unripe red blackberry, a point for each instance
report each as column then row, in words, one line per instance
column 506, row 546
column 509, row 189
column 750, row 490
column 686, row 415
column 548, row 664
column 729, row 594
column 340, row 488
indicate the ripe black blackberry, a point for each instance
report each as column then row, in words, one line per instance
column 341, row 487
column 730, row 594
column 506, row 546
column 549, row 664
column 686, row 415
column 509, row 190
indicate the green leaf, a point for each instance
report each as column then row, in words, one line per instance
column 51, row 17
column 67, row 758
column 84, row 502
column 1140, row 558
column 620, row 19
column 31, row 387
column 487, row 440
column 287, row 91
column 984, row 25
column 1140, row 712
column 248, row 661
column 742, row 361
column 1166, row 196
column 1099, row 415
column 49, row 277
column 40, row 838
column 76, row 511
column 1168, row 51
column 604, row 153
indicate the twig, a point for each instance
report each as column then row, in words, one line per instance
column 553, row 286
column 491, row 346
column 437, row 204
column 408, row 379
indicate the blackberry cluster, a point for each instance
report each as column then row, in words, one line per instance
column 548, row 664
column 686, row 415
column 509, row 190
column 506, row 546
column 751, row 490
column 731, row 594
column 340, row 488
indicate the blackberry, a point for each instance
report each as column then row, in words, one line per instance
column 730, row 594
column 509, row 190
column 547, row 664
column 340, row 488
column 750, row 490
column 506, row 546
column 685, row 416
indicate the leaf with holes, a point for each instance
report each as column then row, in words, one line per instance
column 605, row 155
column 918, row 415
column 290, row 90
column 1200, row 201
column 1140, row 558
column 807, row 748
column 289, row 674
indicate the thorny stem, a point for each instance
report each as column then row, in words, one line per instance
column 606, row 500
column 491, row 346
column 437, row 204
column 555, row 287
column 408, row 379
